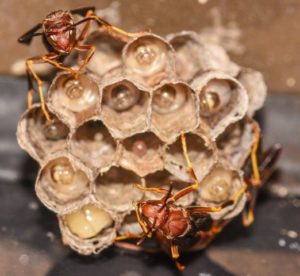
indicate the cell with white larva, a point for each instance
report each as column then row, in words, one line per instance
column 89, row 229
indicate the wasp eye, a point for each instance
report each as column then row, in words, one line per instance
column 121, row 97
column 214, row 96
column 168, row 99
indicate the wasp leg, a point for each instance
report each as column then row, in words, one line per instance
column 175, row 256
column 256, row 181
column 91, row 50
column 86, row 27
column 137, row 248
column 30, row 72
column 233, row 200
column 129, row 236
column 248, row 213
column 113, row 30
column 140, row 221
column 191, row 171
column 152, row 189
column 49, row 58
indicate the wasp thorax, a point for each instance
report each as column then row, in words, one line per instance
column 121, row 97
column 55, row 130
column 217, row 186
column 214, row 96
column 88, row 222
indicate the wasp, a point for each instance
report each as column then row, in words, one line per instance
column 176, row 227
column 59, row 32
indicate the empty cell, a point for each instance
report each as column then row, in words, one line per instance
column 116, row 189
column 93, row 145
column 202, row 154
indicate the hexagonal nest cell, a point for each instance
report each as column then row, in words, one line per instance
column 94, row 146
column 108, row 50
column 142, row 153
column 62, row 184
column 89, row 229
column 172, row 104
column 221, row 185
column 74, row 100
column 164, row 179
column 201, row 152
column 116, row 189
column 149, row 57
column 119, row 123
column 236, row 142
column 39, row 137
column 125, row 108
column 222, row 100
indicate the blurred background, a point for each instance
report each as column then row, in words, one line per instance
column 261, row 34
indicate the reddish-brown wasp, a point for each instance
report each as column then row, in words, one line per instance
column 177, row 227
column 59, row 32
column 257, row 171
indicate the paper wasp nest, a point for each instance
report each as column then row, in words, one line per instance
column 119, row 124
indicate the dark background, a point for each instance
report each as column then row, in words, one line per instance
column 266, row 37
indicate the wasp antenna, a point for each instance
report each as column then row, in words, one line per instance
column 27, row 37
column 83, row 11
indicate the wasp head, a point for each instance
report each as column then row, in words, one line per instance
column 60, row 31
